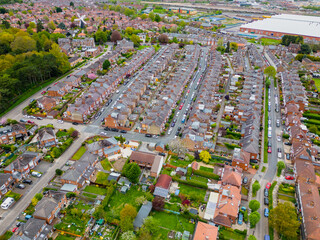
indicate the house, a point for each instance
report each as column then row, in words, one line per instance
column 74, row 60
column 204, row 231
column 148, row 160
column 162, row 186
column 49, row 206
column 104, row 148
column 81, row 171
column 46, row 103
column 47, row 137
column 33, row 229
column 231, row 176
column 142, row 215
column 23, row 164
column 12, row 132
column 241, row 159
column 6, row 182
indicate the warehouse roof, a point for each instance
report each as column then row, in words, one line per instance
column 288, row 23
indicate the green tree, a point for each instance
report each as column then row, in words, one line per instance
column 38, row 196
column 129, row 30
column 61, row 58
column 151, row 225
column 283, row 219
column 32, row 25
column 268, row 82
column 205, row 156
column 251, row 237
column 127, row 215
column 106, row 64
column 5, row 24
column 58, row 9
column 132, row 172
column 234, row 46
column 280, row 166
column 23, row 44
column 255, row 187
column 305, row 49
column 71, row 4
column 270, row 72
column 254, row 205
column 100, row 37
column 144, row 16
column 39, row 26
column 121, row 139
column 136, row 40
column 151, row 16
column 59, row 172
column 157, row 18
column 129, row 235
column 254, row 218
column 51, row 25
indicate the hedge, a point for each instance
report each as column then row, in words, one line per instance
column 235, row 134
column 312, row 116
column 190, row 182
column 206, row 174
column 313, row 121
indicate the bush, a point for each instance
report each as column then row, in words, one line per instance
column 71, row 195
column 206, row 174
column 59, row 172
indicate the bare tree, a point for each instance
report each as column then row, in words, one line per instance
column 178, row 146
column 115, row 36
column 163, row 38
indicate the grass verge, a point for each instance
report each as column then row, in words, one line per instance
column 265, row 148
column 79, row 153
column 271, row 206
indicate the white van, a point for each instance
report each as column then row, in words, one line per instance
column 7, row 203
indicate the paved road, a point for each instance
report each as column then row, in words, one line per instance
column 9, row 218
column 262, row 227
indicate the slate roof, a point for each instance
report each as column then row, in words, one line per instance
column 142, row 214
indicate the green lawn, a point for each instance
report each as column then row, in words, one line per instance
column 79, row 153
column 290, row 199
column 102, row 178
column 207, row 169
column 199, row 179
column 173, row 207
column 118, row 200
column 89, row 195
column 199, row 193
column 106, row 164
column 171, row 221
column 267, row 41
column 142, row 47
column 96, row 190
column 317, row 83
column 228, row 234
column 175, row 161
column 263, row 169
column 10, row 160
column 64, row 237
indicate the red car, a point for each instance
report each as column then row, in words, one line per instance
column 43, row 92
column 188, row 90
column 15, row 229
column 269, row 149
column 29, row 121
column 268, row 185
column 289, row 178
column 181, row 106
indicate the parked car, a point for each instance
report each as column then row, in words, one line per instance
column 21, row 186
column 39, row 118
column 279, row 153
column 289, row 178
column 14, row 229
column 268, row 185
column 123, row 131
column 269, row 143
column 266, row 192
column 266, row 212
column 43, row 92
column 245, row 180
column 148, row 135
column 253, row 161
column 278, row 122
column 288, row 156
column 240, row 219
column 243, row 208
column 60, row 121
column 31, row 122
column 23, row 120
column 269, row 150
column 75, row 123
column 278, row 138
column 28, row 181
column 172, row 124
column 36, row 174
column 162, row 154
column 266, row 201
column 114, row 129
column 288, row 143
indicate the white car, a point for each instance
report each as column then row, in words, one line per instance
column 117, row 91
column 278, row 138
column 36, row 174
column 169, row 131
column 60, row 121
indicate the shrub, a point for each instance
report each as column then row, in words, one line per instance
column 206, row 174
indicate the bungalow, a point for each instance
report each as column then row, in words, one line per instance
column 49, row 206
column 47, row 137
column 162, row 186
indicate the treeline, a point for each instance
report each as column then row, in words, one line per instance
column 299, row 57
column 26, row 61
column 9, row 1
column 287, row 39
column 315, row 8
